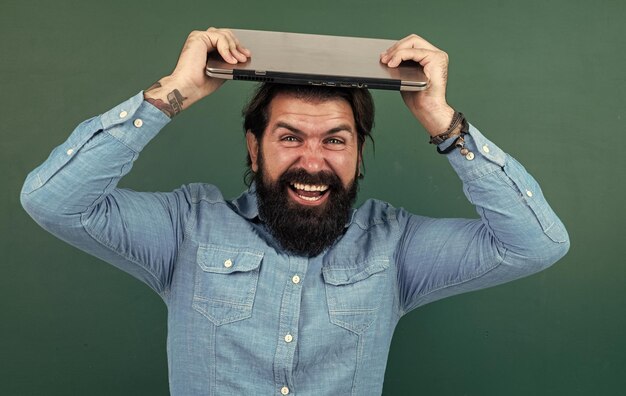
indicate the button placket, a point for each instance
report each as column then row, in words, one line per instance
column 288, row 324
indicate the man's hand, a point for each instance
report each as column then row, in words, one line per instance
column 428, row 106
column 189, row 83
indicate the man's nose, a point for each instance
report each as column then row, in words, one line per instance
column 312, row 159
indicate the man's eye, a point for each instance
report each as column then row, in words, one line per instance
column 289, row 139
column 334, row 141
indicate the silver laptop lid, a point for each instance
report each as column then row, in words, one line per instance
column 298, row 58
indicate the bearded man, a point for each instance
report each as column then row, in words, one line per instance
column 288, row 289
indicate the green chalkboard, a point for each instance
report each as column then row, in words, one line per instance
column 543, row 79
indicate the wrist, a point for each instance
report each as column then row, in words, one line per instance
column 436, row 120
column 171, row 95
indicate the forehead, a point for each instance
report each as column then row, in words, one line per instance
column 287, row 107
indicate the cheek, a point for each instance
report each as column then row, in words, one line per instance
column 347, row 169
column 275, row 163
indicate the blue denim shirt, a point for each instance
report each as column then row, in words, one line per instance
column 246, row 317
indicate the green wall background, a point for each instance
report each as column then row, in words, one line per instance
column 543, row 79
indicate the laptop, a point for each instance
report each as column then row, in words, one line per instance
column 311, row 59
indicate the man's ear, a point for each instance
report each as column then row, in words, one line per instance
column 253, row 150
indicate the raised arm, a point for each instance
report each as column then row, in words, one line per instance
column 74, row 194
column 517, row 234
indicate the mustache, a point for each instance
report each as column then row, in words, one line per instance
column 305, row 231
column 302, row 176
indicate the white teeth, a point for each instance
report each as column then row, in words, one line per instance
column 310, row 198
column 310, row 187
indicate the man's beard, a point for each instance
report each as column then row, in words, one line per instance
column 304, row 230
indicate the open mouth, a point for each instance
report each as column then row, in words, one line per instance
column 309, row 192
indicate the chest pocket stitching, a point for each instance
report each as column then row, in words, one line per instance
column 352, row 293
column 225, row 293
column 338, row 276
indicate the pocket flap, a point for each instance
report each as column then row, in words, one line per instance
column 226, row 260
column 338, row 275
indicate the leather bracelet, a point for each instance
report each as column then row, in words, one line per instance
column 442, row 137
column 459, row 142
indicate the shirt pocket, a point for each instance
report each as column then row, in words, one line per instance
column 226, row 282
column 354, row 293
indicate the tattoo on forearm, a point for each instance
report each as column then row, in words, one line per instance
column 175, row 99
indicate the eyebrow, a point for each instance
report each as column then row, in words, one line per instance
column 338, row 128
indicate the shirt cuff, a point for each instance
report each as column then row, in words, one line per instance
column 134, row 122
column 484, row 156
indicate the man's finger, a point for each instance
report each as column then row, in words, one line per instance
column 229, row 46
column 220, row 40
column 420, row 55
column 244, row 50
column 223, row 47
column 411, row 41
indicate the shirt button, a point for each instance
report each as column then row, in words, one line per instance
column 69, row 152
column 228, row 263
column 469, row 156
column 486, row 148
column 295, row 279
column 288, row 338
column 138, row 122
column 284, row 390
column 529, row 193
column 123, row 114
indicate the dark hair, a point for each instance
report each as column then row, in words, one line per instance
column 256, row 111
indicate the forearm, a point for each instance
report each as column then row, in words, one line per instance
column 188, row 83
column 436, row 120
column 171, row 95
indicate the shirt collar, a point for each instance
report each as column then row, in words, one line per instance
column 246, row 203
